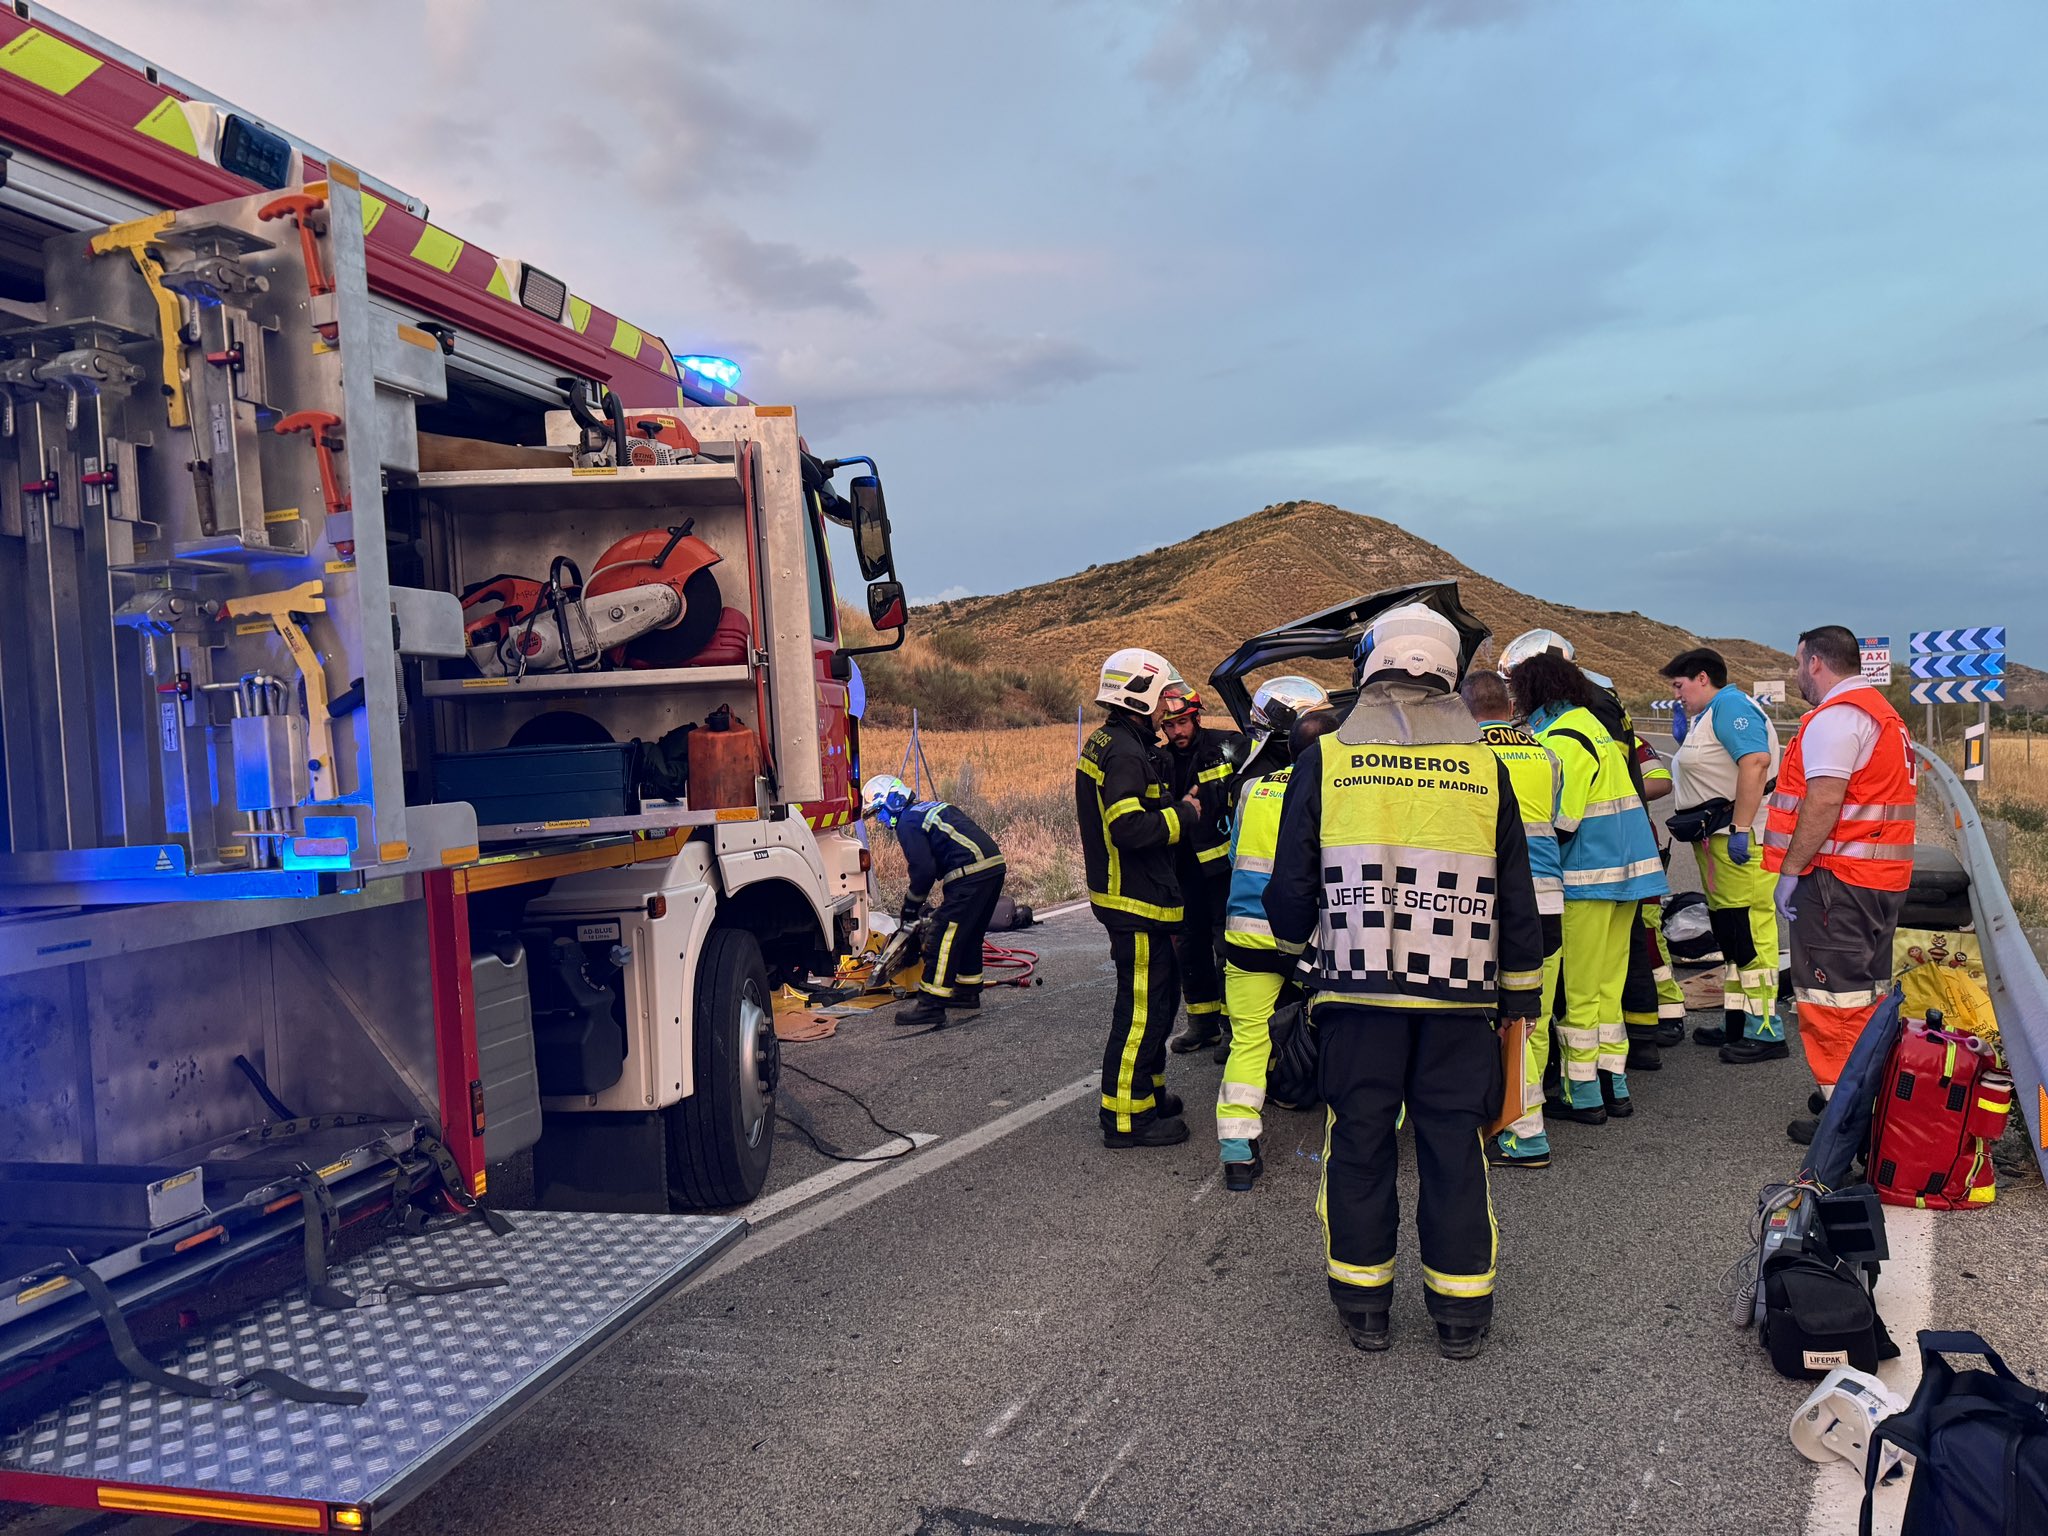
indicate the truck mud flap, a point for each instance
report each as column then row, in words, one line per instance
column 439, row 1374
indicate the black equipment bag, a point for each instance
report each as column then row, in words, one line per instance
column 1702, row 821
column 1979, row 1440
column 1818, row 1312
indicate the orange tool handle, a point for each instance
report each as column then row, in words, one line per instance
column 298, row 207
column 327, row 439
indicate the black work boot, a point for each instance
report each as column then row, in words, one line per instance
column 1222, row 1052
column 1743, row 1053
column 1169, row 1103
column 1643, row 1055
column 1238, row 1178
column 1619, row 1105
column 1461, row 1341
column 1802, row 1131
column 1817, row 1102
column 1148, row 1133
column 968, row 998
column 1200, row 1030
column 926, row 1010
column 1670, row 1032
column 1367, row 1330
column 1565, row 1109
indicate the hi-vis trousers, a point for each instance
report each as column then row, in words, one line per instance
column 1250, row 997
column 1445, row 1065
column 1147, row 998
column 1740, row 906
column 1596, row 943
column 1536, row 1054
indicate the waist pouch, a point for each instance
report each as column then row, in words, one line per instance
column 1702, row 821
column 1817, row 1315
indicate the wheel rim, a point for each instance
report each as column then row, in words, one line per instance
column 760, row 1065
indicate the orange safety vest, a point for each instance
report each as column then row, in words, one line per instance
column 1872, row 844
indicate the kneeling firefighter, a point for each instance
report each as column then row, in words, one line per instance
column 946, row 851
column 1200, row 770
column 1402, row 858
column 1130, row 827
column 1293, row 711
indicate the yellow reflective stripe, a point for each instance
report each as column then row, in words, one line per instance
column 994, row 861
column 1092, row 769
column 1990, row 1108
column 1122, row 808
column 1456, row 1285
column 499, row 287
column 48, row 61
column 1289, row 948
column 1368, row 1275
column 373, row 210
column 579, row 313
column 168, row 124
column 1212, row 775
column 437, row 248
column 1141, row 1002
column 1522, row 981
column 945, row 953
column 1116, row 903
column 1948, row 1061
column 1172, row 815
column 626, row 339
column 1212, row 853
column 1209, row 1007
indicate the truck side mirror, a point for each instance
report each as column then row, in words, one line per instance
column 886, row 608
column 871, row 530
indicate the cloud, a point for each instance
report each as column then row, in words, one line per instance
column 769, row 274
column 939, row 368
column 944, row 595
column 1306, row 39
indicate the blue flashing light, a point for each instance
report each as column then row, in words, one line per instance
column 720, row 370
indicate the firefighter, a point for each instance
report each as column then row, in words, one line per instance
column 1292, row 711
column 1131, row 825
column 1610, row 867
column 1725, row 765
column 1401, row 857
column 1199, row 766
column 946, row 852
column 1537, row 781
column 1838, row 834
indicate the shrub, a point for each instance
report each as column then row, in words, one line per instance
column 949, row 697
column 959, row 644
column 1055, row 694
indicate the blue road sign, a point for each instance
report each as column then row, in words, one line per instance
column 1961, row 664
column 1989, row 637
column 1963, row 690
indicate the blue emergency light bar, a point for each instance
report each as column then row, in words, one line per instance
column 720, row 370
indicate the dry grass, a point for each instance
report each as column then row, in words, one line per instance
column 2016, row 792
column 1019, row 784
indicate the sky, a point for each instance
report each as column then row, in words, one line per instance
column 1730, row 312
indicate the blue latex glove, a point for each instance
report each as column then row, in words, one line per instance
column 1738, row 846
column 1782, row 898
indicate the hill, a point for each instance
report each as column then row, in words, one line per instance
column 1196, row 601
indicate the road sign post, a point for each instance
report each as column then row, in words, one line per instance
column 1961, row 666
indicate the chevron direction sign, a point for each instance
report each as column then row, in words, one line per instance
column 1962, row 690
column 1990, row 637
column 1961, row 664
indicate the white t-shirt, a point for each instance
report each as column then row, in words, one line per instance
column 1837, row 742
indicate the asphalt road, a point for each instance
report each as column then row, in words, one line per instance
column 1044, row 1336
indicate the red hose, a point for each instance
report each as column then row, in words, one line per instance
column 1011, row 967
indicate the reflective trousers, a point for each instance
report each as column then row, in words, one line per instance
column 1198, row 947
column 1446, row 1067
column 1536, row 1055
column 1841, row 964
column 1147, row 997
column 953, row 942
column 1739, row 905
column 1250, row 997
column 1595, row 960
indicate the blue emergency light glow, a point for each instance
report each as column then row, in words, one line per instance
column 720, row 370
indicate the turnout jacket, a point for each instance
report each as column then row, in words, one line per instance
column 942, row 844
column 1203, row 765
column 1408, row 869
column 1130, row 826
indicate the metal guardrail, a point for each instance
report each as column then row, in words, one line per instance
column 2012, row 972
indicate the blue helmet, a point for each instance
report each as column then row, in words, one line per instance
column 885, row 797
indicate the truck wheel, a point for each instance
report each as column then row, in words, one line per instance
column 721, row 1136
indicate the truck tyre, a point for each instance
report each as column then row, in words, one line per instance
column 721, row 1136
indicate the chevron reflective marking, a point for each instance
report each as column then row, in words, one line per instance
column 1963, row 690
column 1960, row 664
column 1988, row 637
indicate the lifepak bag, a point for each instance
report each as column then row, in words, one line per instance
column 1980, row 1443
column 1817, row 1312
column 1702, row 821
column 1943, row 1105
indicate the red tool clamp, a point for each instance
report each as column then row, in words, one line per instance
column 299, row 207
column 327, row 442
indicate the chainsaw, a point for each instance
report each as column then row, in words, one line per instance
column 652, row 601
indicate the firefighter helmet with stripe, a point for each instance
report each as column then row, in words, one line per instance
column 1136, row 680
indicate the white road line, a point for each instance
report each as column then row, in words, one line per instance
column 1062, row 910
column 770, row 1206
column 1115, row 1465
column 759, row 1244
column 993, row 1432
column 1202, row 1191
column 1905, row 1297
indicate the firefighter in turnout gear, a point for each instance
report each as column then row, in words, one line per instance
column 1255, row 974
column 1198, row 765
column 1725, row 766
column 1402, row 859
column 1131, row 826
column 947, row 853
column 1611, row 866
column 1538, row 782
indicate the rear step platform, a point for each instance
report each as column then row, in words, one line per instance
column 443, row 1373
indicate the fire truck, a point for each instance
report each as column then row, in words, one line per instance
column 424, row 750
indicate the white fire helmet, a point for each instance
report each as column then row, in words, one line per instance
column 1534, row 643
column 1412, row 638
column 1135, row 679
column 884, row 797
column 1281, row 701
column 1840, row 1415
